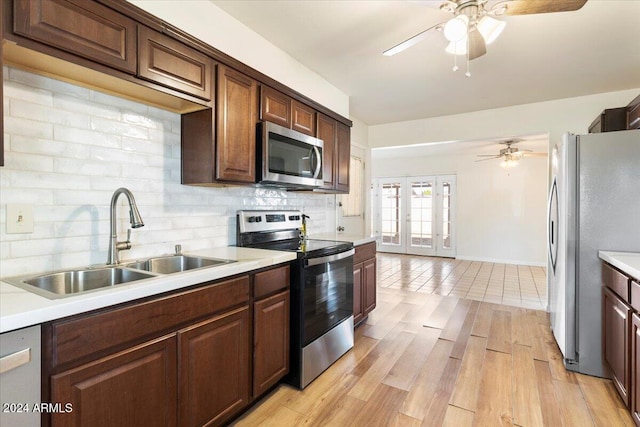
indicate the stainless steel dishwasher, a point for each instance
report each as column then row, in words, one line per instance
column 20, row 377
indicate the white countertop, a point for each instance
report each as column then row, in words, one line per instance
column 356, row 239
column 627, row 262
column 20, row 308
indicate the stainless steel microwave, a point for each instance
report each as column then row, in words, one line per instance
column 288, row 158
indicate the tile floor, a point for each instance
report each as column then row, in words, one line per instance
column 515, row 285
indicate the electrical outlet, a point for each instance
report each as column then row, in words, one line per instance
column 19, row 219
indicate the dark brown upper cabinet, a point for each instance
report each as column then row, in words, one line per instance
column 275, row 107
column 342, row 158
column 281, row 109
column 303, row 118
column 236, row 119
column 336, row 153
column 170, row 63
column 84, row 28
column 327, row 132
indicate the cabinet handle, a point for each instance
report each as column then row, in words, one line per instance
column 14, row 360
column 634, row 122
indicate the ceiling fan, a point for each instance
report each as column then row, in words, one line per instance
column 510, row 155
column 473, row 25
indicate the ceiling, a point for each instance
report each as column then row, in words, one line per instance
column 537, row 58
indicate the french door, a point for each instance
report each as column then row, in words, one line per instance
column 416, row 215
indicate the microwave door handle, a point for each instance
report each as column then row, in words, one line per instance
column 318, row 162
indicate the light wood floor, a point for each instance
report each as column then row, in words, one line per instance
column 434, row 360
column 510, row 284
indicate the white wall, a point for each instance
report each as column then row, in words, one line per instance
column 209, row 23
column 550, row 117
column 68, row 148
column 500, row 214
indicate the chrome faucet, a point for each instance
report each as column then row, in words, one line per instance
column 134, row 218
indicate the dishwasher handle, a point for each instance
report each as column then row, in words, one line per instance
column 15, row 360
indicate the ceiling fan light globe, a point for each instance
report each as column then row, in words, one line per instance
column 457, row 48
column 456, row 28
column 490, row 28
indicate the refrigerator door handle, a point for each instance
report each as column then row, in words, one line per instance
column 552, row 239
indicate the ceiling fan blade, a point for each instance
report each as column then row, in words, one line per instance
column 409, row 42
column 535, row 154
column 528, row 7
column 477, row 46
column 490, row 158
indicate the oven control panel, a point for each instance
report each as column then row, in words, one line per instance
column 255, row 221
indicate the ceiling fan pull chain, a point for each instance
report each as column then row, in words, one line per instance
column 468, row 73
column 455, row 62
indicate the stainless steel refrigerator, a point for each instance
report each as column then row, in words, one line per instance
column 594, row 204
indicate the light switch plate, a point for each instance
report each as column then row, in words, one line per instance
column 19, row 218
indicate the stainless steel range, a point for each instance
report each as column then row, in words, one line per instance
column 321, row 289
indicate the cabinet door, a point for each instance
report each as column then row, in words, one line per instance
column 369, row 285
column 327, row 131
column 343, row 158
column 214, row 369
column 136, row 387
column 236, row 113
column 270, row 341
column 617, row 323
column 170, row 63
column 275, row 107
column 303, row 118
column 635, row 368
column 85, row 28
column 358, row 312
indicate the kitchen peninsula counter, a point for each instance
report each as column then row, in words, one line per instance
column 627, row 262
column 20, row 308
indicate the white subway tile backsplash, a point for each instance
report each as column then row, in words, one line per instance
column 67, row 149
column 82, row 106
column 13, row 91
column 48, row 147
column 26, row 127
column 122, row 129
column 82, row 136
column 29, row 110
column 39, row 83
column 31, row 162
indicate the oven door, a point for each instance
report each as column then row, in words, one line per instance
column 328, row 293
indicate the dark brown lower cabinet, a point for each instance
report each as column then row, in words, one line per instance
column 214, row 375
column 617, row 321
column 364, row 281
column 270, row 341
column 135, row 387
column 635, row 368
column 197, row 357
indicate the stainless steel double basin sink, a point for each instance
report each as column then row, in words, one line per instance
column 71, row 282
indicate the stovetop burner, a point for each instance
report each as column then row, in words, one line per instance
column 280, row 230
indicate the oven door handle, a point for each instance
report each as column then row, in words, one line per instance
column 330, row 258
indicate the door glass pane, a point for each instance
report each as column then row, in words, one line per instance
column 446, row 215
column 421, row 214
column 391, row 214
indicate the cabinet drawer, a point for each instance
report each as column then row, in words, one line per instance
column 635, row 295
column 172, row 64
column 616, row 281
column 363, row 252
column 84, row 28
column 633, row 114
column 93, row 335
column 271, row 281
